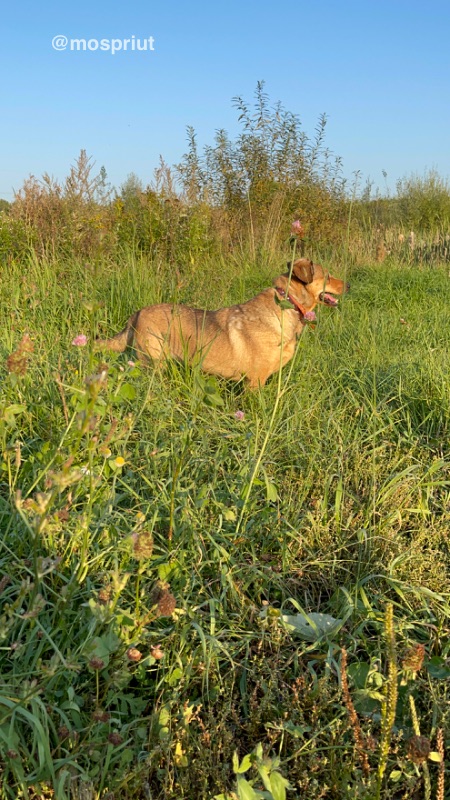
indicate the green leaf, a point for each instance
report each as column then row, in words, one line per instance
column 271, row 489
column 271, row 492
column 435, row 757
column 297, row 731
column 278, row 786
column 127, row 391
column 259, row 750
column 214, row 400
column 168, row 570
column 10, row 412
column 245, row 764
column 174, row 677
column 212, row 395
column 245, row 789
column 163, row 723
column 265, row 775
column 359, row 671
column 102, row 646
column 437, row 668
column 127, row 756
column 312, row 627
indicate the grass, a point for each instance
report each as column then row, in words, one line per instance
column 172, row 619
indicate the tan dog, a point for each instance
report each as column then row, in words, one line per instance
column 250, row 340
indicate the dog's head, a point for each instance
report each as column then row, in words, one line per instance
column 310, row 284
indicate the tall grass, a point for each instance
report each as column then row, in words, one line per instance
column 177, row 586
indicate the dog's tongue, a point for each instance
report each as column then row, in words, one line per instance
column 329, row 299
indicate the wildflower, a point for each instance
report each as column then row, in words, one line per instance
column 413, row 658
column 142, row 545
column 309, row 316
column 297, row 228
column 104, row 595
column 166, row 604
column 164, row 599
column 119, row 461
column 17, row 362
column 96, row 663
column 115, row 738
column 239, row 415
column 157, row 652
column 133, row 654
column 131, row 363
column 80, row 340
column 100, row 716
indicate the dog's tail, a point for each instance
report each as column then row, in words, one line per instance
column 120, row 341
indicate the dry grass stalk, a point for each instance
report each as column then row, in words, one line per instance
column 360, row 741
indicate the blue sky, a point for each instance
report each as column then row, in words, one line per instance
column 379, row 70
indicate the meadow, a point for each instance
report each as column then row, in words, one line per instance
column 166, row 537
column 209, row 592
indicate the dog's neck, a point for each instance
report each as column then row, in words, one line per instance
column 292, row 300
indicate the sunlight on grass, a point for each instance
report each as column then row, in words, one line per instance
column 177, row 585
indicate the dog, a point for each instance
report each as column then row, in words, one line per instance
column 251, row 340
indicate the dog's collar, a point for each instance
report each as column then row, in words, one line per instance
column 292, row 300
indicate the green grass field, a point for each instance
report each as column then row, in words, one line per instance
column 183, row 562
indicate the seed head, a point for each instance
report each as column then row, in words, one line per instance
column 100, row 716
column 104, row 595
column 413, row 658
column 142, row 545
column 163, row 599
column 96, row 663
column 419, row 749
column 134, row 654
column 115, row 738
column 17, row 362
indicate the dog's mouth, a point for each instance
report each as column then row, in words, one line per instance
column 328, row 299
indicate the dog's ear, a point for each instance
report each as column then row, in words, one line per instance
column 303, row 270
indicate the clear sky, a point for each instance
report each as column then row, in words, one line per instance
column 379, row 69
